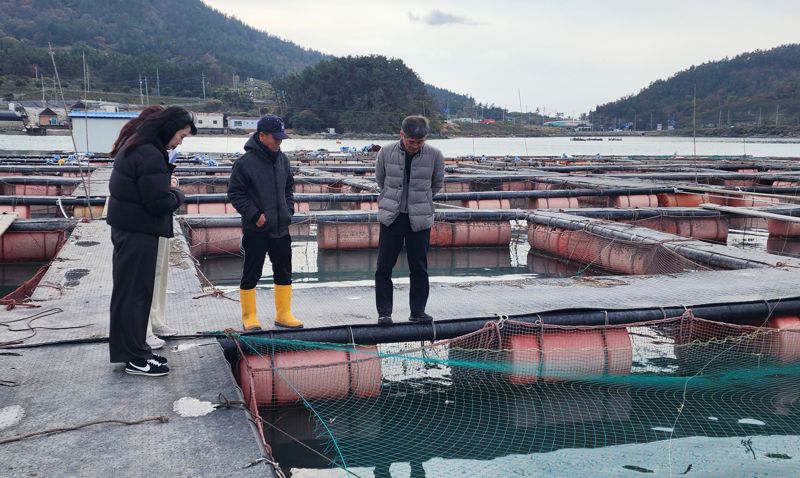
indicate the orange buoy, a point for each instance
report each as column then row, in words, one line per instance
column 486, row 203
column 347, row 235
column 783, row 228
column 285, row 377
column 681, row 200
column 572, row 353
column 565, row 354
column 635, row 200
column 553, row 203
column 524, row 356
column 619, row 351
column 786, row 344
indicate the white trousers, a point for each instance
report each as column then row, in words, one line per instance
column 158, row 306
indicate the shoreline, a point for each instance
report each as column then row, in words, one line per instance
column 606, row 135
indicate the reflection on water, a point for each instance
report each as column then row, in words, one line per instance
column 312, row 265
column 785, row 246
column 547, row 266
column 13, row 274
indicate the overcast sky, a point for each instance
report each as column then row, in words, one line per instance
column 561, row 56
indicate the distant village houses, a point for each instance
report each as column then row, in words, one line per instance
column 248, row 124
column 209, row 121
column 48, row 117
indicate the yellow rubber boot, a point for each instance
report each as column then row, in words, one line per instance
column 283, row 308
column 248, row 299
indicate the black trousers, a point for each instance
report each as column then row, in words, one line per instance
column 390, row 242
column 134, row 274
column 255, row 248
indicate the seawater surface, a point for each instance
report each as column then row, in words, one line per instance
column 549, row 146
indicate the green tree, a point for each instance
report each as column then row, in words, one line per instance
column 355, row 94
column 308, row 121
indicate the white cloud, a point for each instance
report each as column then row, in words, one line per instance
column 438, row 17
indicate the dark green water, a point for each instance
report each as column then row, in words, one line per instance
column 435, row 427
column 13, row 274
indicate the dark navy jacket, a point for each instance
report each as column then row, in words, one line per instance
column 141, row 197
column 262, row 182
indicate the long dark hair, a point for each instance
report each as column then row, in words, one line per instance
column 159, row 128
column 130, row 127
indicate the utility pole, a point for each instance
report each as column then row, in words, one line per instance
column 694, row 121
column 158, row 84
column 141, row 94
column 719, row 121
column 651, row 121
column 42, row 87
column 85, row 76
column 729, row 117
column 146, row 91
column 203, row 79
column 759, row 116
column 777, row 112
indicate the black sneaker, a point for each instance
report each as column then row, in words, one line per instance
column 160, row 359
column 149, row 367
column 385, row 320
column 422, row 318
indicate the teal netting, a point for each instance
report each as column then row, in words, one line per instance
column 519, row 399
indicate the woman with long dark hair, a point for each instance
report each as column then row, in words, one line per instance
column 157, row 325
column 139, row 212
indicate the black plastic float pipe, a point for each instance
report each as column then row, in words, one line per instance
column 662, row 166
column 684, row 247
column 360, row 216
column 644, row 213
column 51, row 201
column 734, row 313
column 463, row 196
column 45, row 169
column 41, row 224
column 41, row 180
column 704, row 175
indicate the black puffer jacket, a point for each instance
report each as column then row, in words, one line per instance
column 262, row 182
column 141, row 197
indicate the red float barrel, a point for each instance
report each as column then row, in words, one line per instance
column 285, row 377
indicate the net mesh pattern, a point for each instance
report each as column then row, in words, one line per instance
column 507, row 399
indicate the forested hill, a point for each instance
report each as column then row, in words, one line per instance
column 355, row 94
column 758, row 86
column 184, row 39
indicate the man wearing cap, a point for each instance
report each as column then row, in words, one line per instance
column 409, row 172
column 261, row 188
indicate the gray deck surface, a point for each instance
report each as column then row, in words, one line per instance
column 97, row 185
column 70, row 385
column 67, row 385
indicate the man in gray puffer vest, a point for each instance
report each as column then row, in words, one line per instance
column 408, row 173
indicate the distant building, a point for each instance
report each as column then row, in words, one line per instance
column 241, row 122
column 48, row 117
column 209, row 120
column 574, row 124
column 464, row 120
column 96, row 131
